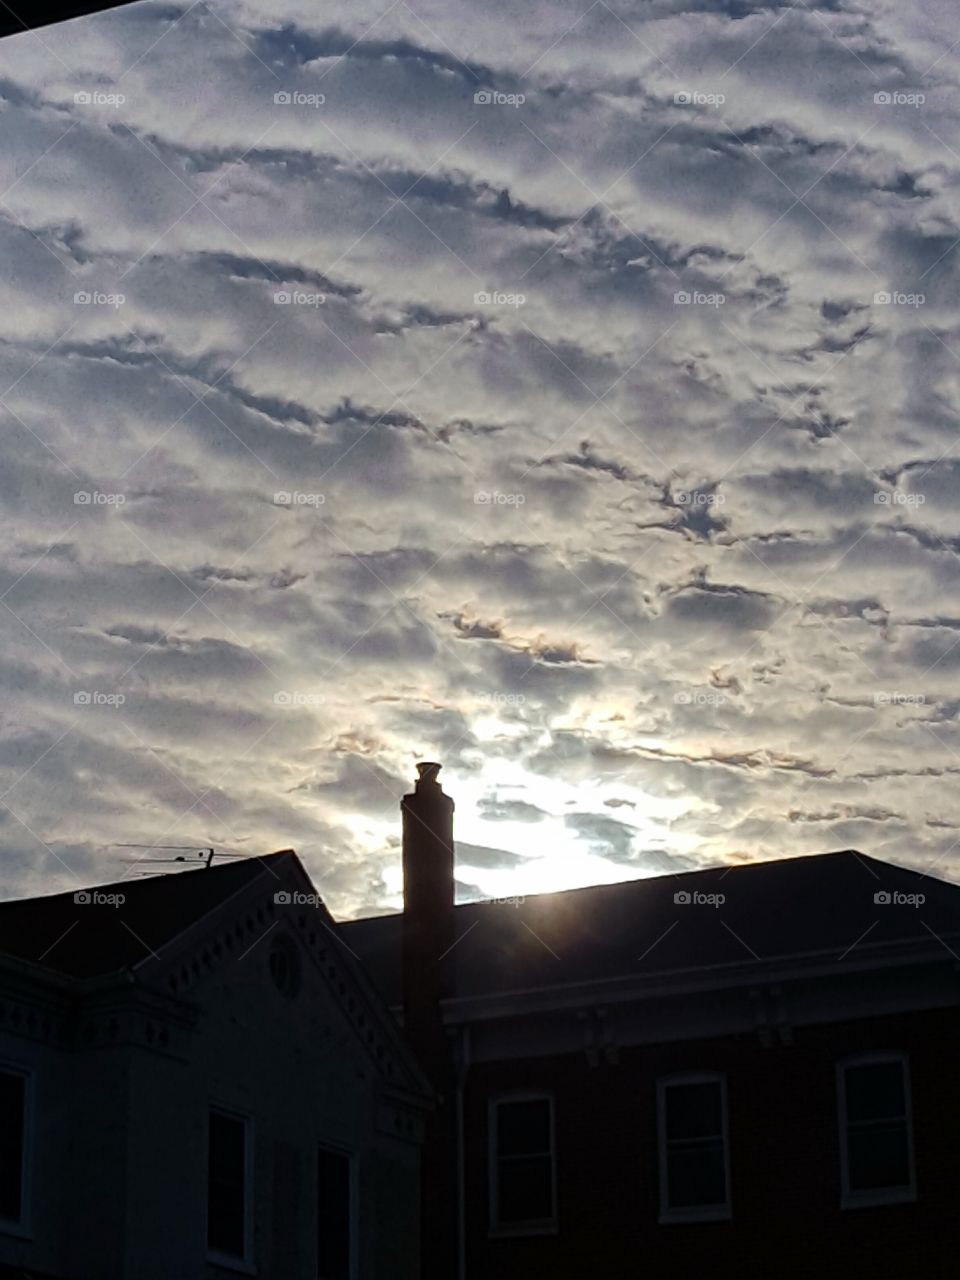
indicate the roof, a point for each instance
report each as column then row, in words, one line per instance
column 93, row 938
column 821, row 903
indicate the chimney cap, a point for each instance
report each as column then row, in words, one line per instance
column 427, row 771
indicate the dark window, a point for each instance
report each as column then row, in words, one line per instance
column 692, row 1147
column 333, row 1215
column 13, row 1095
column 227, row 1176
column 523, row 1162
column 285, row 965
column 877, row 1128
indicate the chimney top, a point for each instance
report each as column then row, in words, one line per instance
column 427, row 771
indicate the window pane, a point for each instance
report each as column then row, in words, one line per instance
column 523, row 1128
column 12, row 1097
column 696, row 1176
column 226, row 1189
column 694, row 1110
column 878, row 1156
column 526, row 1192
column 875, row 1091
column 333, row 1215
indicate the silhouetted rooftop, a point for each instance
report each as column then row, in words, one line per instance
column 772, row 910
column 86, row 940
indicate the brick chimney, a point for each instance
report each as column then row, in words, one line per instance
column 428, row 929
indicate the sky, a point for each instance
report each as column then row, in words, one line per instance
column 563, row 392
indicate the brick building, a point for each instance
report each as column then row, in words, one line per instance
column 745, row 1068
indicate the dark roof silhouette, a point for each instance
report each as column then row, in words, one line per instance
column 87, row 940
column 44, row 12
column 816, row 904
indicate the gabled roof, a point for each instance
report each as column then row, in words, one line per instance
column 90, row 939
column 814, row 905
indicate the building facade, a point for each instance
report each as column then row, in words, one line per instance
column 197, row 1080
column 744, row 1068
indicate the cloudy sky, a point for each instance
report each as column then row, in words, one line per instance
column 564, row 392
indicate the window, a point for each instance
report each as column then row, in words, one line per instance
column 13, row 1142
column 522, row 1175
column 694, row 1172
column 334, row 1216
column 876, row 1141
column 229, row 1183
column 285, row 965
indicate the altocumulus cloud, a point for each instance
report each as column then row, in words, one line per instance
column 576, row 408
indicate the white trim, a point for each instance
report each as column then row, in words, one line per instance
column 849, row 1197
column 231, row 1262
column 353, row 1191
column 540, row 1226
column 22, row 1226
column 692, row 1213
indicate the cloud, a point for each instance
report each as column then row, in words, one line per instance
column 598, row 444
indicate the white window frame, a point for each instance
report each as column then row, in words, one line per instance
column 849, row 1197
column 534, row 1227
column 692, row 1213
column 323, row 1144
column 22, row 1225
column 227, row 1260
